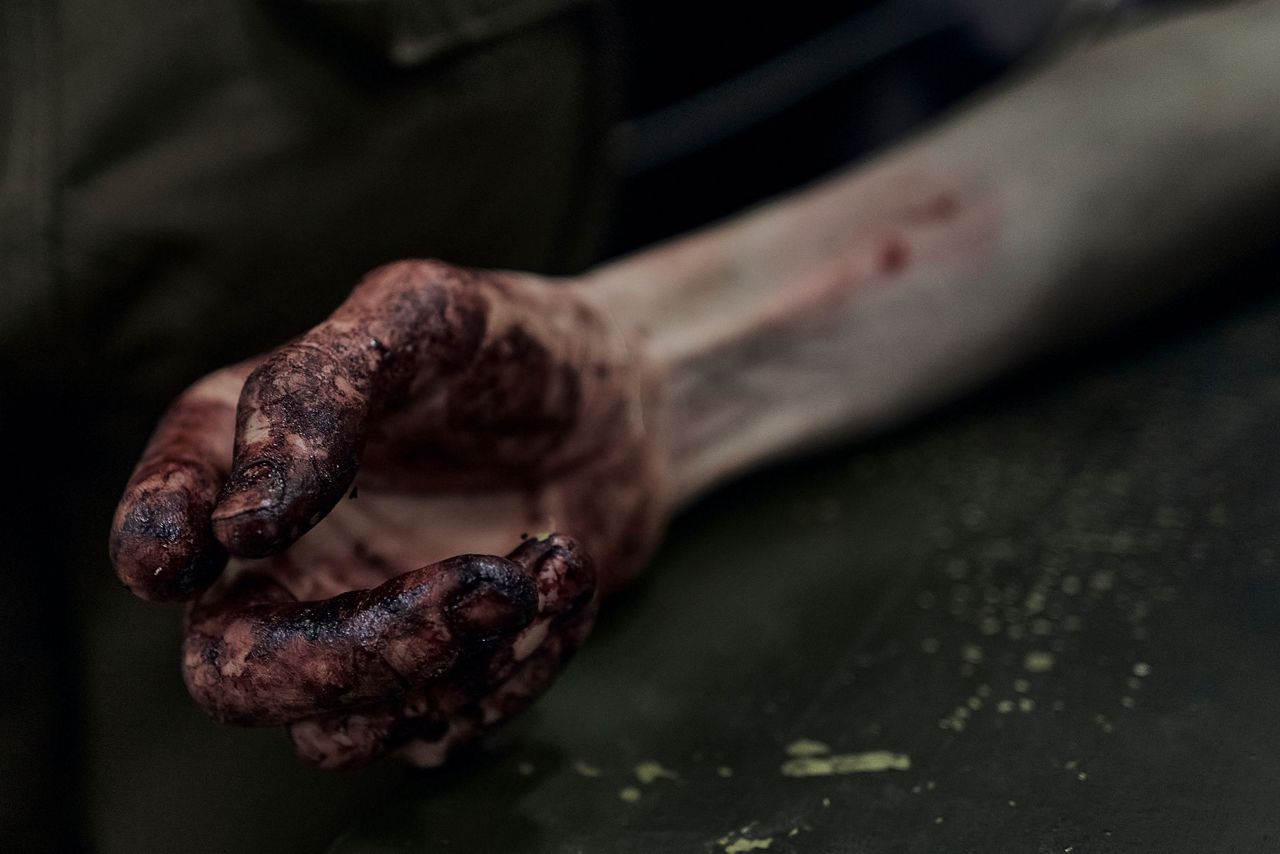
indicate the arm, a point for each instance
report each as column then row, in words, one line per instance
column 1074, row 199
column 464, row 407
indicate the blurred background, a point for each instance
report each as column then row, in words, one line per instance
column 186, row 184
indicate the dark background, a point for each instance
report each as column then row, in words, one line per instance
column 897, row 64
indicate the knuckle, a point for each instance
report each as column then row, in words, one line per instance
column 412, row 273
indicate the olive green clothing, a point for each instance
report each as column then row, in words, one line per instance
column 187, row 182
column 184, row 184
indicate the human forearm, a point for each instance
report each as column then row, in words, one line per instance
column 1075, row 198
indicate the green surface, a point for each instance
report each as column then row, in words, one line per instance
column 836, row 600
column 1121, row 519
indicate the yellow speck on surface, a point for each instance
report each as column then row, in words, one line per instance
column 648, row 772
column 1038, row 661
column 849, row 763
column 1004, row 707
column 586, row 770
column 1026, row 704
column 525, row 769
column 746, row 844
column 807, row 747
column 630, row 794
column 1022, row 686
column 971, row 653
column 1142, row 669
column 724, row 771
column 1127, row 702
column 826, row 802
column 1082, row 776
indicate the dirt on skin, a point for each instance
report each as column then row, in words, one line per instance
column 299, row 500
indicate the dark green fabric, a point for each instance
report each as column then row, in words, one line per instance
column 183, row 185
column 211, row 177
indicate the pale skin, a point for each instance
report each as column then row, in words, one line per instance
column 335, row 512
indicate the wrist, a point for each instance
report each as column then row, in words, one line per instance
column 1074, row 199
column 761, row 336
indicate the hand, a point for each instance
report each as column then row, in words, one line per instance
column 437, row 412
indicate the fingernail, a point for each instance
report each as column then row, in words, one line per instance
column 249, row 490
column 534, row 554
column 487, row 611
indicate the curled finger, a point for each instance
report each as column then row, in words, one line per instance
column 162, row 545
column 255, row 655
column 485, row 689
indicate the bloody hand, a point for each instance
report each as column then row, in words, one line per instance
column 477, row 406
column 437, row 412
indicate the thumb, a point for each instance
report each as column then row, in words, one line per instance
column 300, row 429
column 304, row 412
